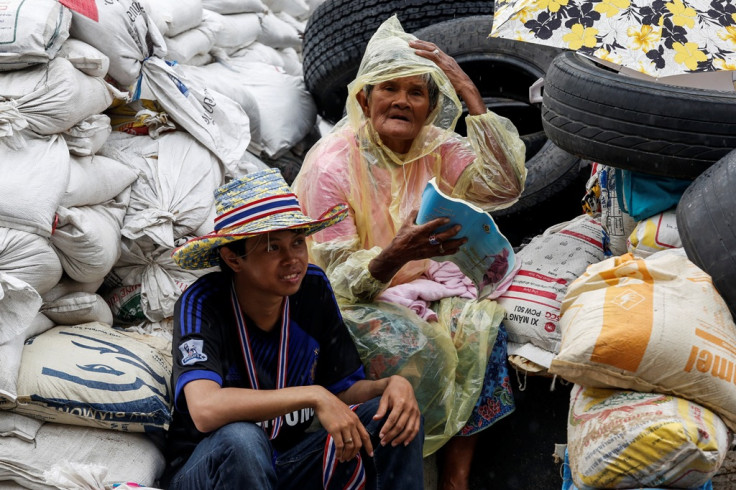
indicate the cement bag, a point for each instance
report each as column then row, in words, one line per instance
column 88, row 239
column 51, row 98
column 12, row 352
column 295, row 8
column 299, row 25
column 117, row 456
column 175, row 191
column 172, row 17
column 30, row 258
column 96, row 179
column 234, row 6
column 549, row 263
column 236, row 30
column 281, row 94
column 97, row 377
column 125, row 33
column 32, row 181
column 145, row 283
column 226, row 81
column 654, row 234
column 626, row 439
column 189, row 44
column 20, row 426
column 77, row 308
column 277, row 33
column 215, row 120
column 32, row 32
column 88, row 136
column 85, row 58
column 650, row 325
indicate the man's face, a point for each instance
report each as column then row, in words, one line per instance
column 397, row 109
column 275, row 263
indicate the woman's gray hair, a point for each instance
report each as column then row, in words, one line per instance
column 432, row 89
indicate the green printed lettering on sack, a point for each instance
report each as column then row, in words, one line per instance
column 131, row 309
column 9, row 22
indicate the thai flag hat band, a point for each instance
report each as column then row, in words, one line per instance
column 257, row 203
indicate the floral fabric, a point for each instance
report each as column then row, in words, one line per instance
column 658, row 38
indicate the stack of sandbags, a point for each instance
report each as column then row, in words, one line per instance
column 638, row 329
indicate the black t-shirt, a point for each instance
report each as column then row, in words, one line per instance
column 206, row 345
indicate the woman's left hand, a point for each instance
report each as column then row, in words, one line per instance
column 460, row 80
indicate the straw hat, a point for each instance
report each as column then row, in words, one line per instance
column 251, row 205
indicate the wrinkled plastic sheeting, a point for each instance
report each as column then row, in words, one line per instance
column 446, row 370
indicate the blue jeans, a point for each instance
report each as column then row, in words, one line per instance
column 239, row 456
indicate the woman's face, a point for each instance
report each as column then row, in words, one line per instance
column 398, row 109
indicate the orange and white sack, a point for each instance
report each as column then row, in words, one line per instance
column 651, row 325
column 549, row 263
column 656, row 233
column 627, row 439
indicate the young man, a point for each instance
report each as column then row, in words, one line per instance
column 269, row 388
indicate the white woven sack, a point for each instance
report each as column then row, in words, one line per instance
column 295, row 8
column 627, row 439
column 77, row 308
column 88, row 239
column 84, row 57
column 31, row 32
column 226, row 81
column 96, row 179
column 258, row 53
column 19, row 304
column 132, row 394
column 125, row 33
column 549, row 263
column 68, row 286
column 277, row 33
column 651, row 325
column 216, row 121
column 654, row 234
column 30, row 258
column 32, row 181
column 145, row 283
column 278, row 93
column 172, row 17
column 12, row 352
column 236, row 30
column 88, row 136
column 17, row 425
column 175, row 190
column 51, row 98
column 234, row 6
column 123, row 457
column 292, row 61
column 194, row 42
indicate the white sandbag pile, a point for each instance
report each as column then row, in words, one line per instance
column 90, row 214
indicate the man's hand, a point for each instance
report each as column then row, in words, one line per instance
column 344, row 426
column 404, row 418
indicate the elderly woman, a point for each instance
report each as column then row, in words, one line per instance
column 397, row 135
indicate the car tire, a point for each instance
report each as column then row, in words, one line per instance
column 338, row 31
column 666, row 130
column 706, row 222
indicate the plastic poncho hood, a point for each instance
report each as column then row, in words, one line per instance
column 388, row 56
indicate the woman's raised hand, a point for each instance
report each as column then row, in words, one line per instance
column 460, row 80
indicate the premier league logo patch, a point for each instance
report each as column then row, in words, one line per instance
column 191, row 352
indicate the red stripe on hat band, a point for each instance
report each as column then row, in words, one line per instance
column 285, row 197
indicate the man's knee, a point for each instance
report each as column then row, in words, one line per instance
column 244, row 438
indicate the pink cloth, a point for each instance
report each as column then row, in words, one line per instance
column 442, row 280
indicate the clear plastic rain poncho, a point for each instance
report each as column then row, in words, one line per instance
column 445, row 360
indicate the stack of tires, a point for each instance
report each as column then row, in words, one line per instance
column 661, row 130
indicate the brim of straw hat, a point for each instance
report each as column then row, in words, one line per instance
column 202, row 252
